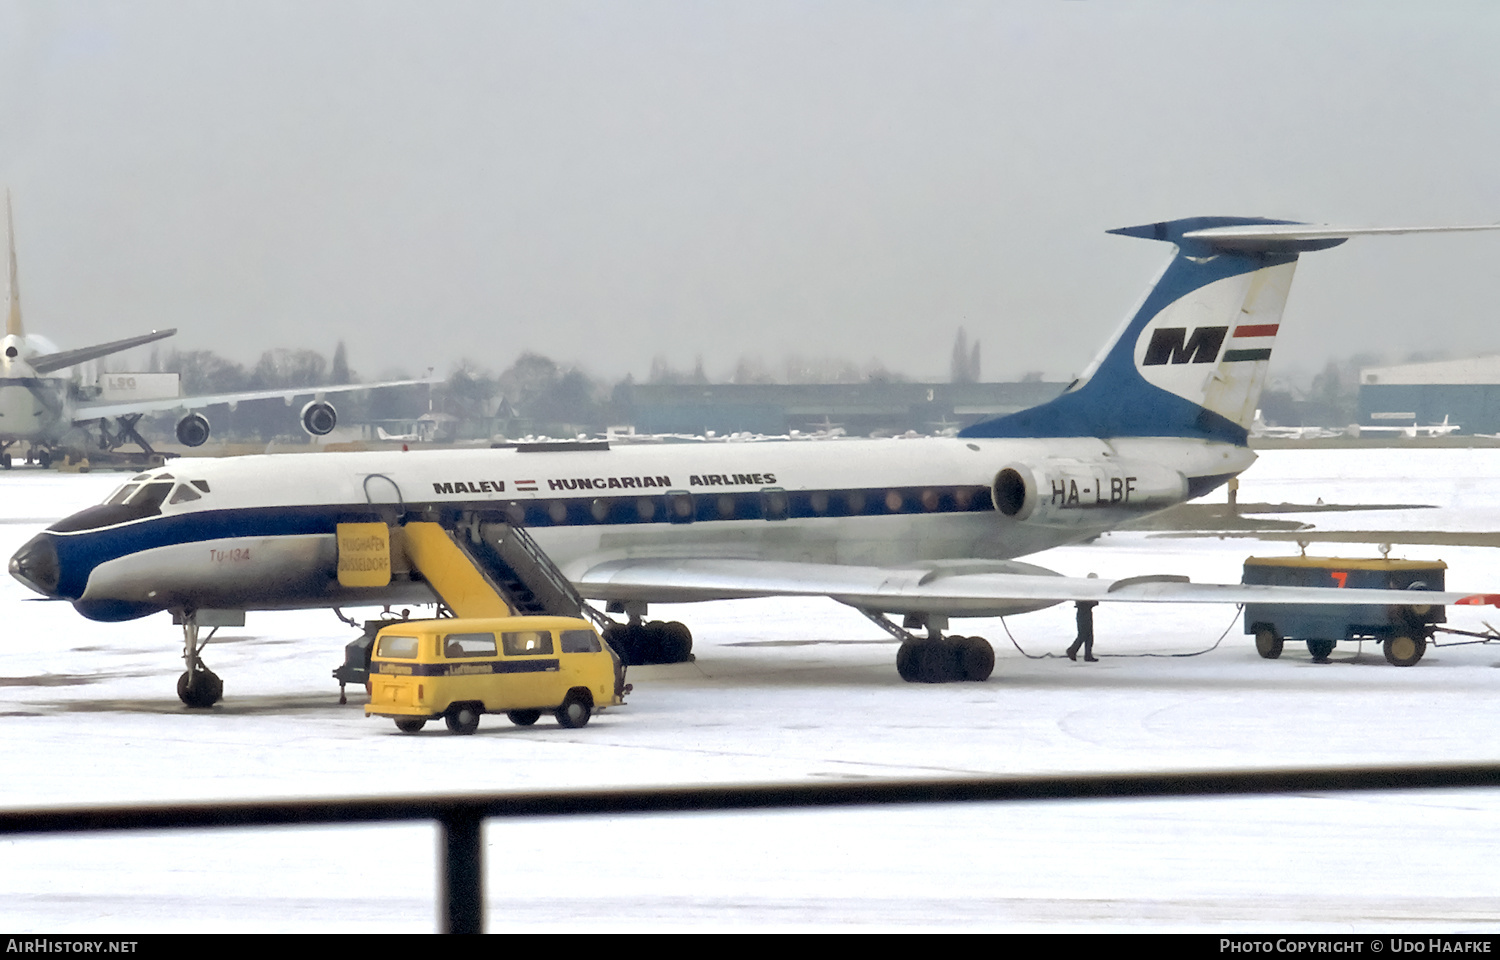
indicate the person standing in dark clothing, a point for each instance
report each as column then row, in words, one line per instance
column 1085, row 632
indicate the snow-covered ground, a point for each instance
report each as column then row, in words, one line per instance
column 792, row 690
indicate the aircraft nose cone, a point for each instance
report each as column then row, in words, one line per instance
column 35, row 565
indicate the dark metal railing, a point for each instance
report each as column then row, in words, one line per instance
column 461, row 817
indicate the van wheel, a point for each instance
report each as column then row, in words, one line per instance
column 411, row 724
column 575, row 710
column 462, row 718
column 524, row 718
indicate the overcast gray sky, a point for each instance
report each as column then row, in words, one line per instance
column 604, row 182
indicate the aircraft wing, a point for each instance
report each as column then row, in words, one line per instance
column 48, row 362
column 981, row 588
column 94, row 411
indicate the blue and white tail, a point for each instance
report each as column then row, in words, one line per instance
column 1191, row 360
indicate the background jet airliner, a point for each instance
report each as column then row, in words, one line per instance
column 40, row 409
column 926, row 530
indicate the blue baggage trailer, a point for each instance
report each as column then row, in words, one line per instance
column 1402, row 631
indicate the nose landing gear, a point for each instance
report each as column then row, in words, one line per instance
column 198, row 687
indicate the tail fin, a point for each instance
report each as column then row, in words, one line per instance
column 1191, row 360
column 13, row 318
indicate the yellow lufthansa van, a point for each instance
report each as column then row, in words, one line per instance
column 459, row 669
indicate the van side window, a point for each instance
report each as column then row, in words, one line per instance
column 399, row 648
column 457, row 645
column 527, row 643
column 580, row 641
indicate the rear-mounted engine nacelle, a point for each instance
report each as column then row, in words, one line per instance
column 319, row 418
column 1075, row 491
column 192, row 430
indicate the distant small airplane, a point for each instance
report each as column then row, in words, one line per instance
column 42, row 410
column 1407, row 430
column 1259, row 428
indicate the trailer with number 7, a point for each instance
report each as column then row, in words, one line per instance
column 1402, row 630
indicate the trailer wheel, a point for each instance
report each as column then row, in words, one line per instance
column 1403, row 651
column 1268, row 642
column 1320, row 650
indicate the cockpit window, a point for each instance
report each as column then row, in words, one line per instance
column 184, row 493
column 201, row 485
column 149, row 496
column 122, row 494
column 134, row 501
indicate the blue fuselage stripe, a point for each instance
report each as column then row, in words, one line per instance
column 81, row 551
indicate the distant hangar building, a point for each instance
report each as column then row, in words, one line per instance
column 860, row 409
column 1467, row 392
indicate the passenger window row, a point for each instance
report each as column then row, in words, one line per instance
column 769, row 504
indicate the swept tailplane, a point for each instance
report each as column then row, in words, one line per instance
column 1191, row 360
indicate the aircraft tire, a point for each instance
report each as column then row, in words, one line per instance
column 44, row 458
column 462, row 719
column 906, row 662
column 200, row 689
column 976, row 659
column 5, row 460
column 1403, row 650
column 1320, row 650
column 638, row 645
column 410, row 724
column 575, row 711
column 1268, row 642
column 524, row 718
column 938, row 661
column 654, row 642
column 674, row 642
column 621, row 639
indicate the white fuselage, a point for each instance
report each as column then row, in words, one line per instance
column 32, row 407
column 263, row 534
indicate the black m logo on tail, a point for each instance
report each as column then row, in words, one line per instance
column 1172, row 345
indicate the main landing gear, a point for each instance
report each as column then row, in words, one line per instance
column 198, row 687
column 936, row 658
column 638, row 642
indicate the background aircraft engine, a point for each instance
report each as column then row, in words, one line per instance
column 1062, row 491
column 192, row 430
column 319, row 418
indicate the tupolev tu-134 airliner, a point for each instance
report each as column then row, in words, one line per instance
column 927, row 530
